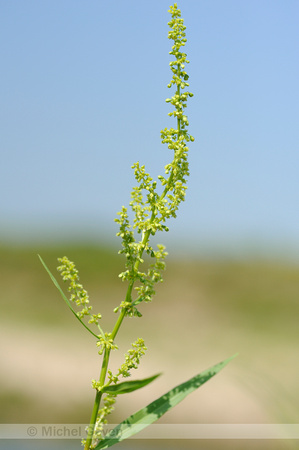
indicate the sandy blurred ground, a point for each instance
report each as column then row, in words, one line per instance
column 202, row 314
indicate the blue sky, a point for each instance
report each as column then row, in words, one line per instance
column 82, row 90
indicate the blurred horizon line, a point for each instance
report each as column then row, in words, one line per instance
column 178, row 245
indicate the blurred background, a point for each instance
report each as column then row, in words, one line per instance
column 82, row 98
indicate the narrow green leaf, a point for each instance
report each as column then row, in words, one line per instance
column 148, row 415
column 128, row 386
column 64, row 297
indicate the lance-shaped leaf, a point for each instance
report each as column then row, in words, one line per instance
column 128, row 386
column 151, row 413
column 66, row 299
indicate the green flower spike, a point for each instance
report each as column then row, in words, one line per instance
column 150, row 208
column 79, row 295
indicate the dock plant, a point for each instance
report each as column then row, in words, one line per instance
column 152, row 204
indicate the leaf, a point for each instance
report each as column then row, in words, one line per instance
column 148, row 415
column 128, row 386
column 64, row 297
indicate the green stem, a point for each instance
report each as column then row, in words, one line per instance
column 93, row 419
column 97, row 401
column 103, row 374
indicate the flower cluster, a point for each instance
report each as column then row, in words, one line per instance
column 133, row 251
column 132, row 358
column 106, row 342
column 151, row 277
column 78, row 295
column 176, row 139
column 150, row 208
column 132, row 361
